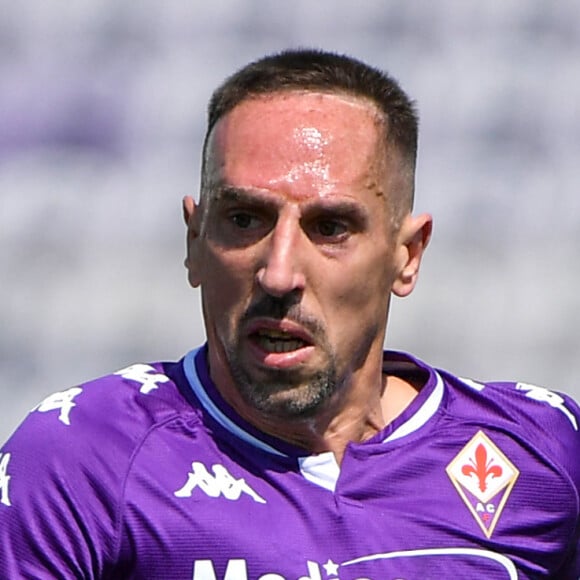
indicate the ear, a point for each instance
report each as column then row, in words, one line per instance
column 192, row 262
column 413, row 238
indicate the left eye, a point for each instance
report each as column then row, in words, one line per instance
column 330, row 228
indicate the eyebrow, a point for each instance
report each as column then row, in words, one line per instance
column 229, row 193
column 252, row 197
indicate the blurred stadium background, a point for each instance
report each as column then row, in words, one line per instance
column 101, row 118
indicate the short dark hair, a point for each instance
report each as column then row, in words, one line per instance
column 326, row 72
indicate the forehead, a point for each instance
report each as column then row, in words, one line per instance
column 316, row 139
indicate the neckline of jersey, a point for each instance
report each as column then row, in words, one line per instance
column 415, row 416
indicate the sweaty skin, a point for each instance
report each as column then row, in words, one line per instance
column 295, row 251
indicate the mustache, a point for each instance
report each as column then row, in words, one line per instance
column 278, row 308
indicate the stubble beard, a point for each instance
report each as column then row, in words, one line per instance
column 284, row 393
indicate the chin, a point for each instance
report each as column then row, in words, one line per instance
column 288, row 399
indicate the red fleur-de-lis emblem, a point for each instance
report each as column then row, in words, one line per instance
column 484, row 477
column 481, row 467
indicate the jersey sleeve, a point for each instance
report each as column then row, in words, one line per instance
column 555, row 421
column 554, row 426
column 59, row 492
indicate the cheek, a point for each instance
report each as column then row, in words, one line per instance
column 227, row 282
column 364, row 285
column 356, row 317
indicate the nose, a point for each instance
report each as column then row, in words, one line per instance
column 281, row 272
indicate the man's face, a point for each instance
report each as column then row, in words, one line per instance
column 294, row 249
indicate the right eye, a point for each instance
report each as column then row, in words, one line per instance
column 244, row 220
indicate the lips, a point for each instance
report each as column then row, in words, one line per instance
column 280, row 342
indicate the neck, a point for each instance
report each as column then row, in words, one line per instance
column 355, row 413
column 335, row 428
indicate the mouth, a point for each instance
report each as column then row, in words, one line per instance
column 278, row 341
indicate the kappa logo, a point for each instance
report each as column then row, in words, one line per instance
column 141, row 373
column 62, row 401
column 4, row 479
column 220, row 483
column 484, row 478
column 544, row 395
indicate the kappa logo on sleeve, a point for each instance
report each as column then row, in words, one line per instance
column 62, row 401
column 4, row 479
column 220, row 483
column 484, row 478
column 141, row 373
column 544, row 395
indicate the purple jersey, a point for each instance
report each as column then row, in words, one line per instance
column 147, row 473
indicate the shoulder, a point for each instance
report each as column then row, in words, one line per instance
column 545, row 420
column 532, row 406
column 113, row 412
column 506, row 404
column 68, row 461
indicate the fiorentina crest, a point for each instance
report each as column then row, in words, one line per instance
column 484, row 478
